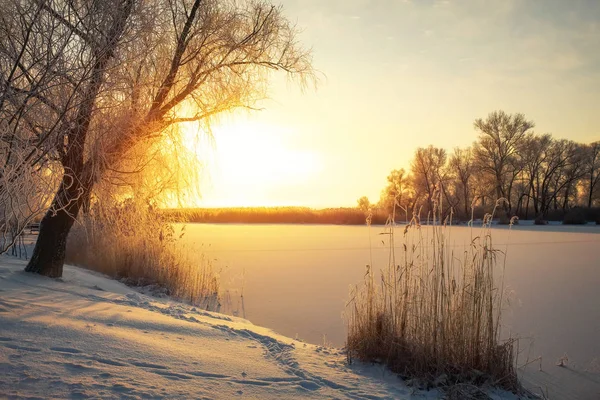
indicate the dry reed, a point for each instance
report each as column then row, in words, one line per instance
column 434, row 315
column 136, row 245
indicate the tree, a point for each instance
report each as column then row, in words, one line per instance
column 396, row 192
column 496, row 150
column 461, row 166
column 119, row 74
column 534, row 152
column 28, row 117
column 559, row 168
column 572, row 174
column 364, row 204
column 427, row 171
column 592, row 170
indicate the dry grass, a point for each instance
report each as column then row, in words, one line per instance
column 434, row 314
column 135, row 245
column 273, row 215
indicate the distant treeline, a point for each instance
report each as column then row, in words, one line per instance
column 274, row 215
column 537, row 176
column 334, row 216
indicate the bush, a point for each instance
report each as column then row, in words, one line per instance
column 539, row 220
column 503, row 218
column 133, row 244
column 575, row 216
column 593, row 214
column 434, row 315
column 477, row 212
column 555, row 215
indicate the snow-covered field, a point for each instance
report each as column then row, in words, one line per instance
column 86, row 336
column 295, row 280
column 89, row 336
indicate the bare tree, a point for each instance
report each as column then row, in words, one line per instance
column 427, row 169
column 535, row 151
column 592, row 170
column 559, row 169
column 572, row 174
column 27, row 116
column 398, row 192
column 120, row 73
column 364, row 204
column 496, row 151
column 462, row 167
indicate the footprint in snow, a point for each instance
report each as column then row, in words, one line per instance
column 148, row 365
column 65, row 350
column 108, row 361
column 308, row 385
column 24, row 348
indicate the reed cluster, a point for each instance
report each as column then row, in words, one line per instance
column 434, row 313
column 134, row 244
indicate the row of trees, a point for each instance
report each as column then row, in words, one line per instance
column 535, row 173
column 91, row 90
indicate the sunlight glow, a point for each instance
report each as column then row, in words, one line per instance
column 250, row 164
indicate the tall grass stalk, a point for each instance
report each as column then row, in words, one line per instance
column 435, row 313
column 136, row 245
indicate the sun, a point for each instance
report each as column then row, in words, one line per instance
column 250, row 164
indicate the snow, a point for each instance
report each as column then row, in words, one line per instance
column 296, row 278
column 85, row 335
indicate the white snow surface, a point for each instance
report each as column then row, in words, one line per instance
column 87, row 336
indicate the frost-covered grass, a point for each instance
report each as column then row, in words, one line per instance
column 142, row 249
column 434, row 313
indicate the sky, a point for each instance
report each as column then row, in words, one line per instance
column 395, row 75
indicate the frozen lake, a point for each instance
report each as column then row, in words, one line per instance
column 296, row 279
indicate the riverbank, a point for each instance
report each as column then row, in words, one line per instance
column 88, row 336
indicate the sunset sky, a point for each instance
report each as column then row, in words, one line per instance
column 398, row 74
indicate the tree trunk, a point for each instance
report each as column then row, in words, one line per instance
column 536, row 199
column 518, row 211
column 49, row 252
column 566, row 200
column 508, row 202
column 591, row 193
column 544, row 206
column 466, row 196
